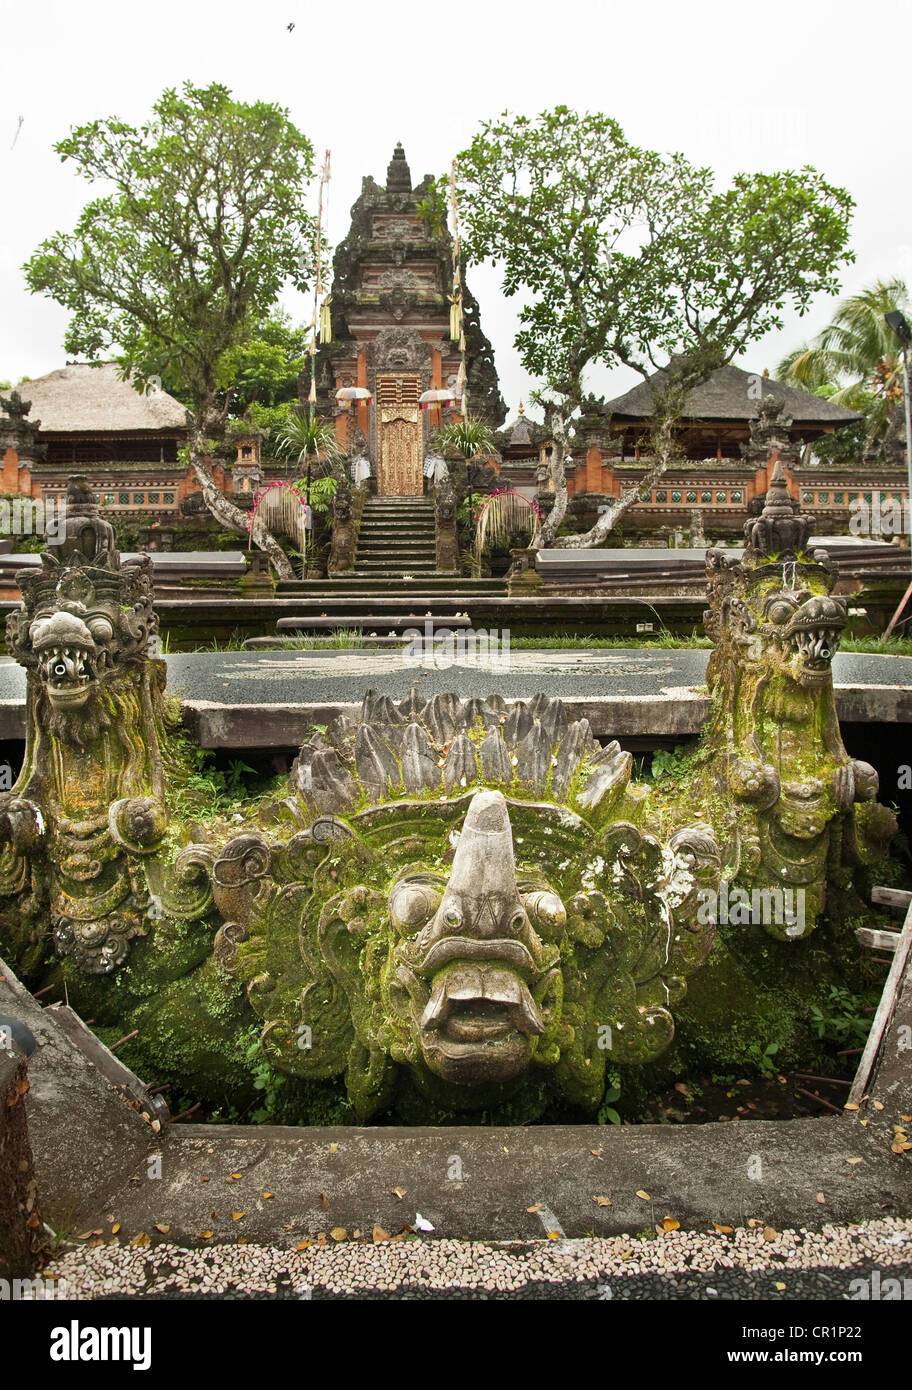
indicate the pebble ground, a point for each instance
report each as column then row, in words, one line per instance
column 753, row 1263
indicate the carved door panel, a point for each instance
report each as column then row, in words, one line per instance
column 399, row 436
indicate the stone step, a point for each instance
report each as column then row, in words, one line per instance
column 412, row 567
column 445, row 585
column 396, row 547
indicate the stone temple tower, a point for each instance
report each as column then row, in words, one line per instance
column 390, row 318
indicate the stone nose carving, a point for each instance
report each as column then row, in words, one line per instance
column 481, row 915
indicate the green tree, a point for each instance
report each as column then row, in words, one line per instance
column 170, row 270
column 265, row 368
column 627, row 256
column 855, row 361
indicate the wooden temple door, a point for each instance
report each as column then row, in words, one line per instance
column 399, row 435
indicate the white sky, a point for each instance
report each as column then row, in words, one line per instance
column 763, row 86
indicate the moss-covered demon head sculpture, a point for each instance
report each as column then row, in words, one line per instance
column 463, row 890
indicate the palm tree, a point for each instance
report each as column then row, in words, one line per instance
column 855, row 360
column 469, row 437
column 302, row 437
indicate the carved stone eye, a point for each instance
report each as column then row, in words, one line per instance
column 780, row 611
column 452, row 917
column 101, row 629
column 411, row 904
column 546, row 910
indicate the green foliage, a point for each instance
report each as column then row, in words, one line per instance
column 855, row 361
column 841, row 1018
column 470, row 437
column 322, row 492
column 266, row 1080
column 763, row 1058
column 207, row 790
column 264, row 369
column 432, row 209
column 672, row 764
column 205, row 221
column 298, row 437
column 607, row 1115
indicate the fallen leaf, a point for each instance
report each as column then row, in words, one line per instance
column 533, row 1211
column 380, row 1235
column 907, row 1118
column 770, row 1234
column 162, row 1229
column 821, row 1197
column 645, row 1195
column 304, row 1245
column 205, row 1235
column 670, row 1223
column 724, row 1230
column 324, row 1201
column 334, row 1148
column 236, row 1215
column 236, row 1177
column 356, row 1234
column 752, row 1222
column 398, row 1192
column 321, row 1239
column 86, row 1234
column 115, row 1228
column 242, row 1240
column 554, row 1235
column 268, row 1196
column 205, row 1178
column 780, row 1287
column 602, row 1201
column 596, row 1153
column 901, row 1148
column 878, row 1104
column 854, row 1160
column 850, row 1105
column 338, row 1233
column 140, row 1240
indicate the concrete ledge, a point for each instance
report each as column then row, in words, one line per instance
column 322, row 1178
column 86, row 1141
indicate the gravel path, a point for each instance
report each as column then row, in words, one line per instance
column 753, row 1263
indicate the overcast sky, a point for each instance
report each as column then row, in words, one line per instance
column 761, row 86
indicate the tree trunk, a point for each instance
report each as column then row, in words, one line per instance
column 552, row 522
column 663, row 444
column 232, row 517
column 682, row 375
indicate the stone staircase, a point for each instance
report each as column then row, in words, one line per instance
column 396, row 539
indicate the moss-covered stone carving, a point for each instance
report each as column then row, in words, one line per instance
column 463, row 901
column 791, row 806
